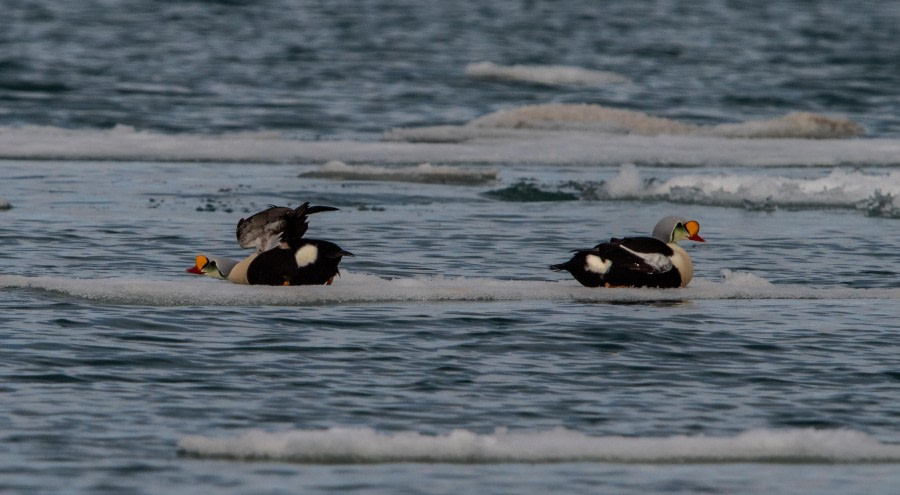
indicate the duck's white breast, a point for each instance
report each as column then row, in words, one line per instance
column 682, row 261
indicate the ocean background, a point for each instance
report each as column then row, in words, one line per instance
column 468, row 147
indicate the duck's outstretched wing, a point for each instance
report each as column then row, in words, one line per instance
column 264, row 230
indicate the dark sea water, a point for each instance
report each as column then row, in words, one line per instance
column 354, row 69
column 447, row 358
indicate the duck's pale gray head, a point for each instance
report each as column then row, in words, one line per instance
column 211, row 266
column 674, row 229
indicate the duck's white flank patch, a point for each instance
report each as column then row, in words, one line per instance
column 306, row 255
column 658, row 261
column 596, row 264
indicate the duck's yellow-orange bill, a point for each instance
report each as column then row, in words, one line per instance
column 199, row 262
column 693, row 228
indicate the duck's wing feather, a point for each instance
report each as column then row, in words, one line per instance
column 641, row 254
column 297, row 222
column 264, row 230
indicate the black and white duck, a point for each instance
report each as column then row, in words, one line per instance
column 283, row 256
column 655, row 261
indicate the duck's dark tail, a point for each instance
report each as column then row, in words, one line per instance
column 316, row 209
column 297, row 222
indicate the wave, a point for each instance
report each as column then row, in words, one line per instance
column 364, row 445
column 525, row 190
column 597, row 118
column 365, row 288
column 466, row 144
column 425, row 173
column 549, row 75
column 873, row 193
column 153, row 89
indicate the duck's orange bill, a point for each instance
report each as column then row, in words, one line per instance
column 199, row 263
column 693, row 228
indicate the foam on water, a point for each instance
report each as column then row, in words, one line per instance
column 447, row 145
column 364, row 288
column 425, row 173
column 364, row 445
column 550, row 75
column 871, row 192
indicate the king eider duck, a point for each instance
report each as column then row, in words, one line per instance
column 656, row 261
column 283, row 256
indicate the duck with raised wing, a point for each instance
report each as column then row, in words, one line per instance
column 283, row 256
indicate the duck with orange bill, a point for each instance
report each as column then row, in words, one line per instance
column 656, row 261
column 283, row 256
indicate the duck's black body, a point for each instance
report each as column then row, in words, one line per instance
column 308, row 262
column 656, row 261
column 625, row 267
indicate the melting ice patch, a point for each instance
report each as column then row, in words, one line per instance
column 550, row 75
column 423, row 173
column 606, row 119
column 582, row 116
column 191, row 290
column 465, row 144
column 364, row 445
column 597, row 118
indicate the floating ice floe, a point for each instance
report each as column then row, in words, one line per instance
column 467, row 144
column 365, row 445
column 423, row 173
column 365, row 288
column 601, row 119
column 550, row 75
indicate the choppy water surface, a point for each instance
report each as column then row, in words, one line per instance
column 447, row 340
column 356, row 69
column 448, row 358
